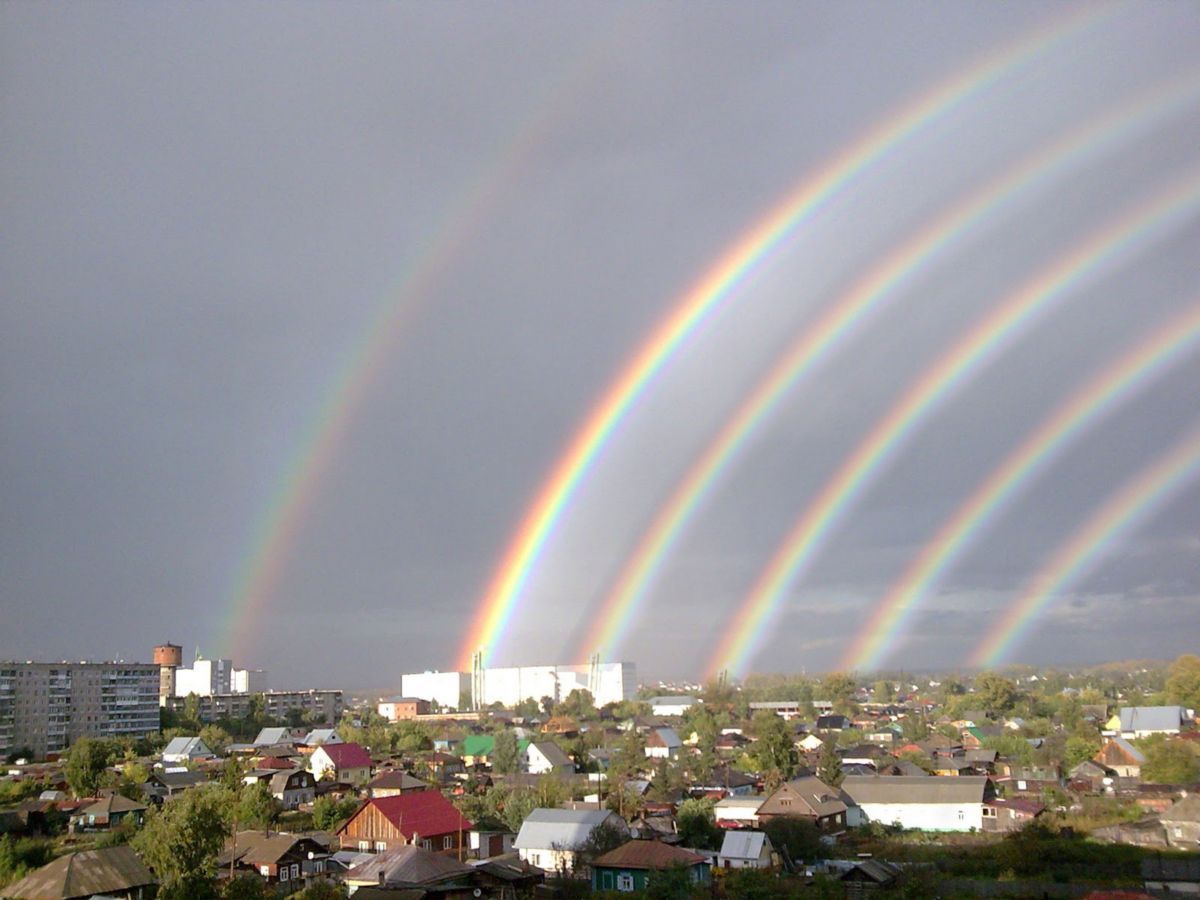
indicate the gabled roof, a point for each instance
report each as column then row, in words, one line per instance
column 553, row 753
column 110, row 870
column 279, row 781
column 397, row 779
column 186, row 746
column 269, row 736
column 1186, row 810
column 744, row 844
column 567, row 828
column 1119, row 751
column 409, row 866
column 664, row 737
column 179, row 779
column 1151, row 718
column 808, row 796
column 347, row 756
column 647, row 855
column 425, row 813
column 908, row 789
column 114, row 803
column 321, row 736
column 260, row 848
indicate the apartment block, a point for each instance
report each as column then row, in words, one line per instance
column 46, row 706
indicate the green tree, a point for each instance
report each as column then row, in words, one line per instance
column 320, row 890
column 86, row 764
column 181, row 842
column 191, row 712
column 829, row 767
column 839, row 687
column 697, row 824
column 884, row 692
column 774, row 747
column 505, row 753
column 330, row 814
column 1080, row 748
column 579, row 705
column 798, row 836
column 256, row 807
column 1170, row 762
column 1183, row 681
column 215, row 738
column 995, row 693
column 246, row 887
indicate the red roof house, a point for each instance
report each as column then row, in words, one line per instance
column 347, row 763
column 426, row 819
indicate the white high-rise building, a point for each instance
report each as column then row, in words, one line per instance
column 205, row 678
column 248, row 681
column 607, row 683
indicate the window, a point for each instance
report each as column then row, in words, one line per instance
column 364, row 846
column 447, row 842
column 427, row 844
column 265, row 871
column 380, row 846
column 283, row 873
column 295, row 870
column 624, row 881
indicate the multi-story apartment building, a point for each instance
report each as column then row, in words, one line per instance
column 325, row 704
column 46, row 706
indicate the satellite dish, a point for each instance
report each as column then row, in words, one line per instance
column 478, row 892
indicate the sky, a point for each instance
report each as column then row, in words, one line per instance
column 302, row 306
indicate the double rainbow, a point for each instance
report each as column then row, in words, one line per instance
column 1113, row 386
column 1003, row 324
column 1136, row 501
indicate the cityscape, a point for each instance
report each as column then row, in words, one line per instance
column 555, row 450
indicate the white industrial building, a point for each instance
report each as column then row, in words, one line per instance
column 607, row 683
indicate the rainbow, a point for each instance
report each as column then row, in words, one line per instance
column 843, row 319
column 274, row 532
column 1137, row 500
column 702, row 301
column 1116, row 384
column 1003, row 324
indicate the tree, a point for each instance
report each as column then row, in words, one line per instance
column 697, row 825
column 191, row 711
column 1170, row 762
column 181, row 842
column 256, row 807
column 579, row 705
column 505, row 753
column 246, row 887
column 839, row 687
column 829, row 768
column 215, row 738
column 330, row 814
column 995, row 693
column 86, row 762
column 320, row 890
column 1183, row 681
column 774, row 747
column 884, row 692
column 603, row 838
column 799, row 837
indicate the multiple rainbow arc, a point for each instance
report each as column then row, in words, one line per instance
column 705, row 299
column 845, row 318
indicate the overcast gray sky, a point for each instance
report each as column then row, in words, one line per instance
column 218, row 216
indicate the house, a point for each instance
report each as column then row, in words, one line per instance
column 745, row 850
column 490, row 838
column 738, row 811
column 444, row 765
column 629, row 867
column 413, row 868
column 833, row 723
column 543, row 757
column 1121, row 757
column 869, row 876
column 278, row 857
column 108, row 812
column 929, row 804
column 663, row 743
column 1140, row 721
column 341, row 762
column 269, row 737
column 671, row 706
column 1010, row 815
column 405, row 708
column 320, row 736
column 393, row 783
column 723, row 782
column 810, row 743
column 1182, row 823
column 807, row 798
column 185, row 750
column 109, row 872
column 426, row 819
column 292, row 787
column 165, row 785
column 549, row 838
column 1168, row 877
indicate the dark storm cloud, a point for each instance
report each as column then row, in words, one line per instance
column 207, row 207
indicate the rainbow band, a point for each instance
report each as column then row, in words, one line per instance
column 867, row 296
column 1124, row 511
column 285, row 512
column 936, row 385
column 702, row 301
column 1100, row 396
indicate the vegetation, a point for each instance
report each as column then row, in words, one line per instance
column 329, row 814
column 182, row 840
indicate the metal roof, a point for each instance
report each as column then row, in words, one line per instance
column 83, row 874
column 545, row 829
column 743, row 844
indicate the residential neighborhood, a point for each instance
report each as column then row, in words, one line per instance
column 781, row 785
